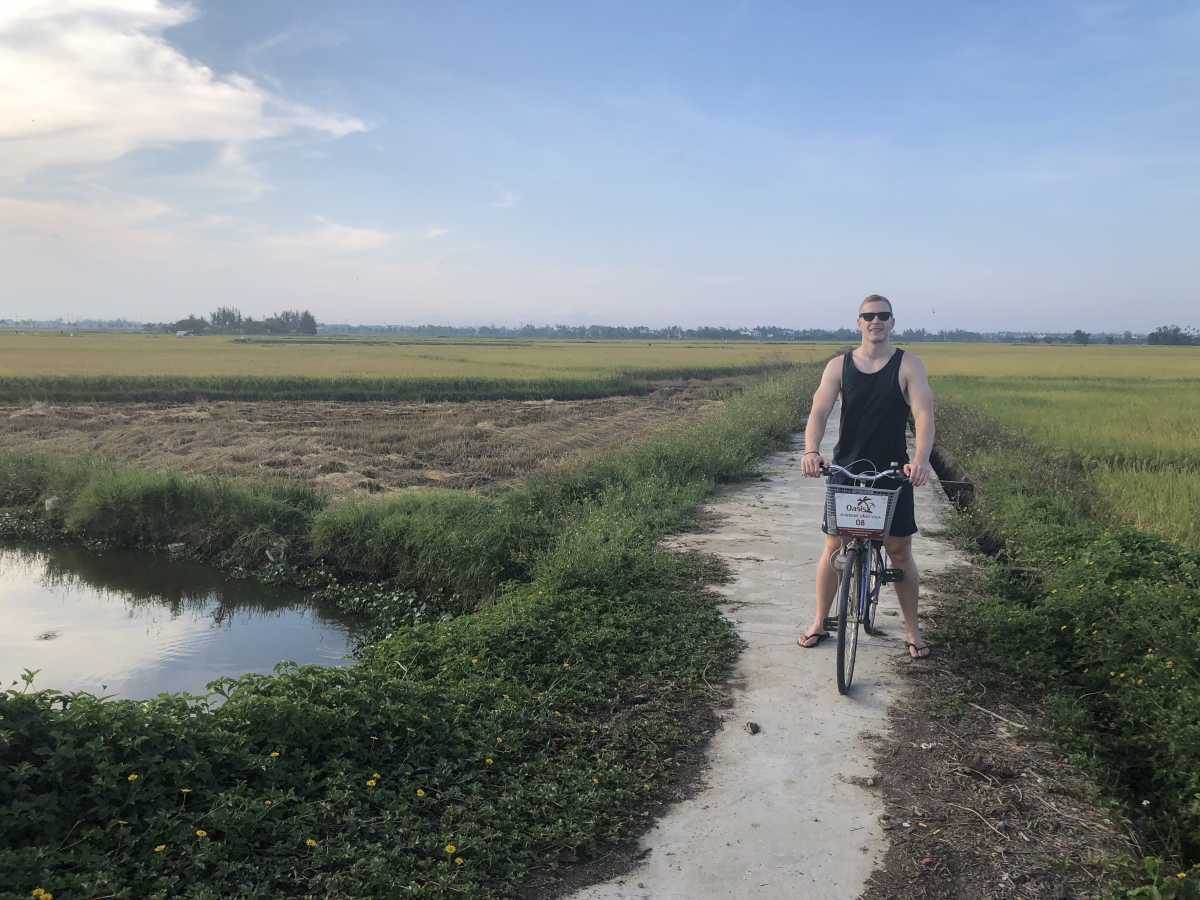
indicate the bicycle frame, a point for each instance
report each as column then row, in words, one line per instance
column 861, row 571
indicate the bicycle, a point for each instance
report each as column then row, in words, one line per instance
column 863, row 514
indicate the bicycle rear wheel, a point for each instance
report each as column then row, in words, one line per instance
column 850, row 604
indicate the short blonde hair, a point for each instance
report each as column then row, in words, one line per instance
column 875, row 298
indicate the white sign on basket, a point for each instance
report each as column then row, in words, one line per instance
column 860, row 512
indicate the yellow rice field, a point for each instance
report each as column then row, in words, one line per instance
column 124, row 355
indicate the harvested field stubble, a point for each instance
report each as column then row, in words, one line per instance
column 346, row 448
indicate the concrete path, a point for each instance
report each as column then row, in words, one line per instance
column 779, row 815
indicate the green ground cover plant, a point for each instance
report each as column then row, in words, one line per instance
column 1097, row 617
column 458, row 756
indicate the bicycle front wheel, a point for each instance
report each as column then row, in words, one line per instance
column 850, row 605
column 875, row 582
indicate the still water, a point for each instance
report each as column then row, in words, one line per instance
column 134, row 625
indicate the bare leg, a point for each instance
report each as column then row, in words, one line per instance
column 908, row 589
column 827, row 581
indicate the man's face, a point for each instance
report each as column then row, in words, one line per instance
column 876, row 330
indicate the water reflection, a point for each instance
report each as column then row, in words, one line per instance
column 135, row 625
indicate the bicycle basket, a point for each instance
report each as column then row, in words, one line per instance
column 866, row 512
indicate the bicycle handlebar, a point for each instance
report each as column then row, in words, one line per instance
column 831, row 468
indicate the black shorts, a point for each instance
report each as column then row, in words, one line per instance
column 904, row 519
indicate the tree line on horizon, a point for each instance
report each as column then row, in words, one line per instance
column 228, row 320
column 716, row 333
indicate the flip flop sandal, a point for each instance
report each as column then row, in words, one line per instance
column 923, row 651
column 816, row 638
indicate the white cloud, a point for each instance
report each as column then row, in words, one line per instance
column 124, row 227
column 87, row 81
column 437, row 232
column 329, row 238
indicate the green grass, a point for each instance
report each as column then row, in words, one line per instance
column 542, row 727
column 150, row 388
column 1099, row 619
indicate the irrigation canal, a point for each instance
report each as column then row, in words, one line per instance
column 133, row 625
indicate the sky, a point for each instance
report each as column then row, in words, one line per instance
column 1024, row 166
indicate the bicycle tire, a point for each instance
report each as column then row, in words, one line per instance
column 849, row 604
column 876, row 584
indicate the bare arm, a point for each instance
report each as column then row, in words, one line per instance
column 920, row 400
column 818, row 416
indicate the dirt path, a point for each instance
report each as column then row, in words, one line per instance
column 789, row 811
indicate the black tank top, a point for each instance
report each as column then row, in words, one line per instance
column 874, row 416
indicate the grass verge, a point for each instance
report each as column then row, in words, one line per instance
column 173, row 388
column 1100, row 619
column 457, row 757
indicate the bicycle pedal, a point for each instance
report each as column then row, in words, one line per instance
column 891, row 576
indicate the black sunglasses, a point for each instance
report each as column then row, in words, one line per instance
column 870, row 317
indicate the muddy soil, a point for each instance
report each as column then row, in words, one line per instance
column 349, row 448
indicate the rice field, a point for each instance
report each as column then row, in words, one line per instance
column 123, row 355
column 1132, row 414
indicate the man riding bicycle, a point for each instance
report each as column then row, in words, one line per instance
column 879, row 385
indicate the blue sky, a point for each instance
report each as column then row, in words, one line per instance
column 1025, row 166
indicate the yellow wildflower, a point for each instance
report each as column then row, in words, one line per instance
column 133, row 776
column 420, row 792
column 488, row 761
column 37, row 892
column 266, row 803
column 371, row 782
column 595, row 781
column 424, row 717
column 376, row 775
column 310, row 842
column 160, row 848
column 499, row 740
column 557, row 713
column 458, row 860
column 201, row 833
column 450, row 848
column 185, row 790
column 274, row 754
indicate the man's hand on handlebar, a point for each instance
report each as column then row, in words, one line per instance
column 812, row 464
column 918, row 473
